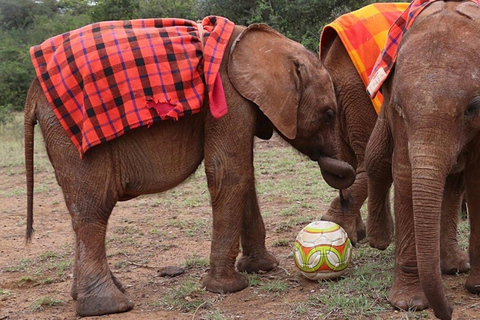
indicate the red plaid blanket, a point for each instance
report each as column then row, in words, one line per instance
column 109, row 77
column 387, row 57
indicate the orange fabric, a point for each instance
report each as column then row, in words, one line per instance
column 363, row 33
column 388, row 56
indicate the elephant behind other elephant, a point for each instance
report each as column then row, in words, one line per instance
column 427, row 139
column 300, row 105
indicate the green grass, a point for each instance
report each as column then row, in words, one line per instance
column 12, row 147
column 47, row 262
column 187, row 296
column 196, row 262
column 275, row 286
column 45, row 302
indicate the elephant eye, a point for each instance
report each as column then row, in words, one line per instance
column 329, row 115
column 472, row 108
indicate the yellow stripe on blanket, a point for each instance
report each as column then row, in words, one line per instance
column 364, row 33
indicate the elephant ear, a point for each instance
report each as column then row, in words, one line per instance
column 262, row 69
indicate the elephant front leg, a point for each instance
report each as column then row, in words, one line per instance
column 255, row 256
column 452, row 258
column 96, row 290
column 228, row 189
column 406, row 292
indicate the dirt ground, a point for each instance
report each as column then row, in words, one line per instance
column 145, row 235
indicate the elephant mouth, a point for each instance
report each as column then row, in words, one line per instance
column 336, row 173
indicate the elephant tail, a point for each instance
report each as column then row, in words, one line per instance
column 29, row 125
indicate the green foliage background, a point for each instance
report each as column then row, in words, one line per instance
column 24, row 23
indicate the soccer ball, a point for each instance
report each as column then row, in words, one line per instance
column 322, row 250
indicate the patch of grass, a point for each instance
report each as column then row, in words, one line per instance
column 214, row 315
column 288, row 212
column 463, row 234
column 47, row 281
column 12, row 147
column 5, row 293
column 362, row 292
column 128, row 230
column 25, row 280
column 187, row 296
column 281, row 243
column 44, row 302
column 275, row 286
column 120, row 264
column 196, row 262
column 254, row 279
column 48, row 256
column 21, row 266
column 285, row 226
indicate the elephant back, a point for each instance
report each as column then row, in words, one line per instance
column 107, row 78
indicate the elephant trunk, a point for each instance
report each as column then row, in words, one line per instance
column 338, row 174
column 429, row 172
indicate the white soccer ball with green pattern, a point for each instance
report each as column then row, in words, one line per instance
column 322, row 250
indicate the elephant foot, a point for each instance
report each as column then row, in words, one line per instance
column 407, row 297
column 225, row 285
column 406, row 292
column 74, row 290
column 379, row 238
column 105, row 299
column 257, row 262
column 473, row 282
column 354, row 227
column 380, row 231
column 454, row 261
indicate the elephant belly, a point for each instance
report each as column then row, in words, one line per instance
column 158, row 158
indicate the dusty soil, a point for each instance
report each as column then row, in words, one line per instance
column 147, row 234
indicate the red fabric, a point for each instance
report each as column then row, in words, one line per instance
column 109, row 77
column 388, row 56
column 363, row 33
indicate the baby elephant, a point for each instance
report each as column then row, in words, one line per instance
column 103, row 150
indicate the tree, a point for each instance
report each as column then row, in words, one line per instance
column 105, row 10
column 237, row 11
column 16, row 13
column 186, row 9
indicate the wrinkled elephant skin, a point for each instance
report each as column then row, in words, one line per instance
column 299, row 104
column 427, row 139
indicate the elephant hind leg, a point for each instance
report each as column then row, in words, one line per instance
column 95, row 289
column 378, row 163
column 74, row 290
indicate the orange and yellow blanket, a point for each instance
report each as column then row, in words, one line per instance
column 364, row 33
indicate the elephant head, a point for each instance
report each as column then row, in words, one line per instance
column 430, row 124
column 295, row 94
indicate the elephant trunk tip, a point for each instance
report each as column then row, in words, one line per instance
column 346, row 200
column 336, row 173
